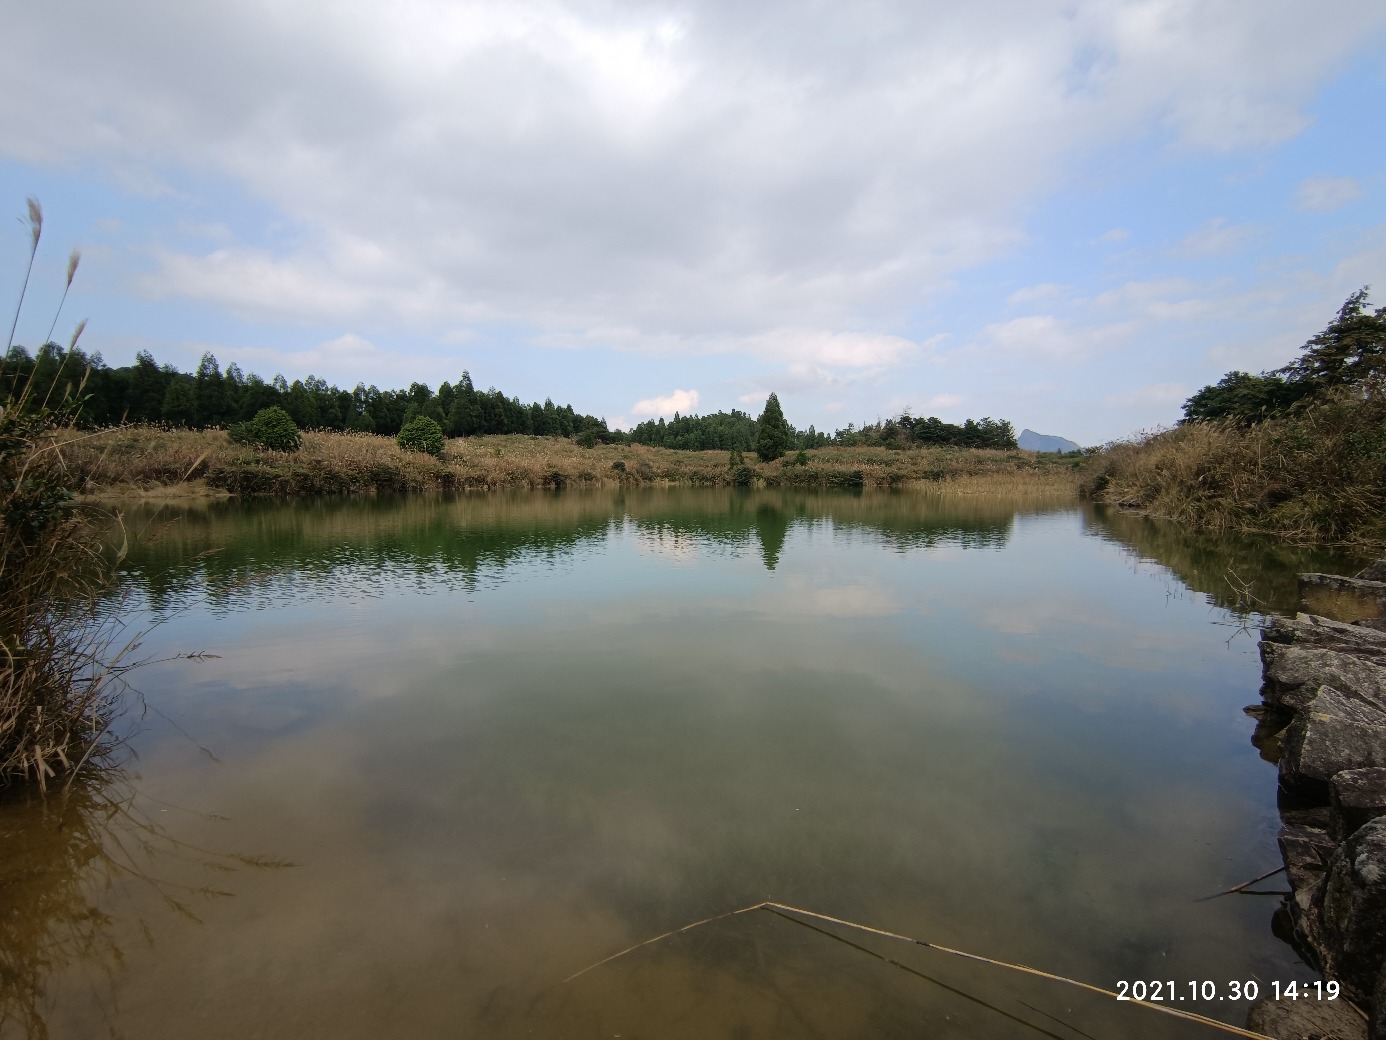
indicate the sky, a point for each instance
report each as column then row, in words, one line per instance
column 1071, row 215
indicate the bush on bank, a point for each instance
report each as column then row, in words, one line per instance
column 1315, row 474
column 271, row 428
column 422, row 434
column 1299, row 452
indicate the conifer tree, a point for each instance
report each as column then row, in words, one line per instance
column 773, row 433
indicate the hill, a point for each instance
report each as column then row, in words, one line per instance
column 1029, row 440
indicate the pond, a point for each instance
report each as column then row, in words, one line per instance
column 449, row 752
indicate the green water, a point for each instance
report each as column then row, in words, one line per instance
column 449, row 753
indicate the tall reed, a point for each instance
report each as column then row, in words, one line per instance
column 58, row 660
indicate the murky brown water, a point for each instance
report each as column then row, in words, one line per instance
column 453, row 752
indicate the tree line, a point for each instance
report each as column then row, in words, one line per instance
column 737, row 431
column 147, row 392
column 1350, row 352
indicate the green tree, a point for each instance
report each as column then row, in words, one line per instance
column 1240, row 396
column 1350, row 351
column 148, row 385
column 773, row 434
column 180, row 408
column 300, row 403
column 465, row 418
column 422, row 434
column 256, row 396
column 210, row 404
column 271, row 428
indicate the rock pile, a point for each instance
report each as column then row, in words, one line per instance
column 1324, row 720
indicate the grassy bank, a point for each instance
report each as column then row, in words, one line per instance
column 145, row 460
column 1317, row 474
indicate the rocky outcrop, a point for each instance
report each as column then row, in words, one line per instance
column 1306, row 1020
column 1353, row 911
column 1333, row 732
column 1358, row 796
column 1292, row 675
column 1323, row 719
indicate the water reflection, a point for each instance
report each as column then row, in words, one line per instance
column 1242, row 573
column 62, row 857
column 508, row 735
column 229, row 551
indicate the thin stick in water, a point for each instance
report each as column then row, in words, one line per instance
column 784, row 910
column 1242, row 887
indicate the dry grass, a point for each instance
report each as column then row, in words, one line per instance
column 57, row 659
column 59, row 662
column 148, row 459
column 1316, row 475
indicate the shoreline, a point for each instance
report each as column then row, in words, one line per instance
column 153, row 463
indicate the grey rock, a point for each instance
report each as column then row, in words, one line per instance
column 1271, row 724
column 1304, row 910
column 1306, row 1020
column 1319, row 817
column 1377, row 1028
column 1292, row 675
column 1333, row 732
column 1342, row 599
column 1308, row 630
column 1306, row 852
column 1354, row 911
column 1373, row 571
column 1357, row 796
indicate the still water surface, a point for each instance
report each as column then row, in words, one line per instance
column 453, row 751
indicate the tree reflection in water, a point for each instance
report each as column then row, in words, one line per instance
column 60, row 855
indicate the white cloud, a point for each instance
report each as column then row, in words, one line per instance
column 1153, row 394
column 683, row 401
column 1216, row 237
column 348, row 357
column 1113, row 236
column 944, row 401
column 1323, row 194
column 704, row 176
column 847, row 349
column 1035, row 293
column 1162, row 299
column 1048, row 338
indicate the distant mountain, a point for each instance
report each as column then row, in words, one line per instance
column 1032, row 441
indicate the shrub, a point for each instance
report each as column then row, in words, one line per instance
column 422, row 434
column 743, row 476
column 271, row 428
column 619, row 466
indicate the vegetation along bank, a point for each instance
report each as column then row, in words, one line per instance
column 1299, row 451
